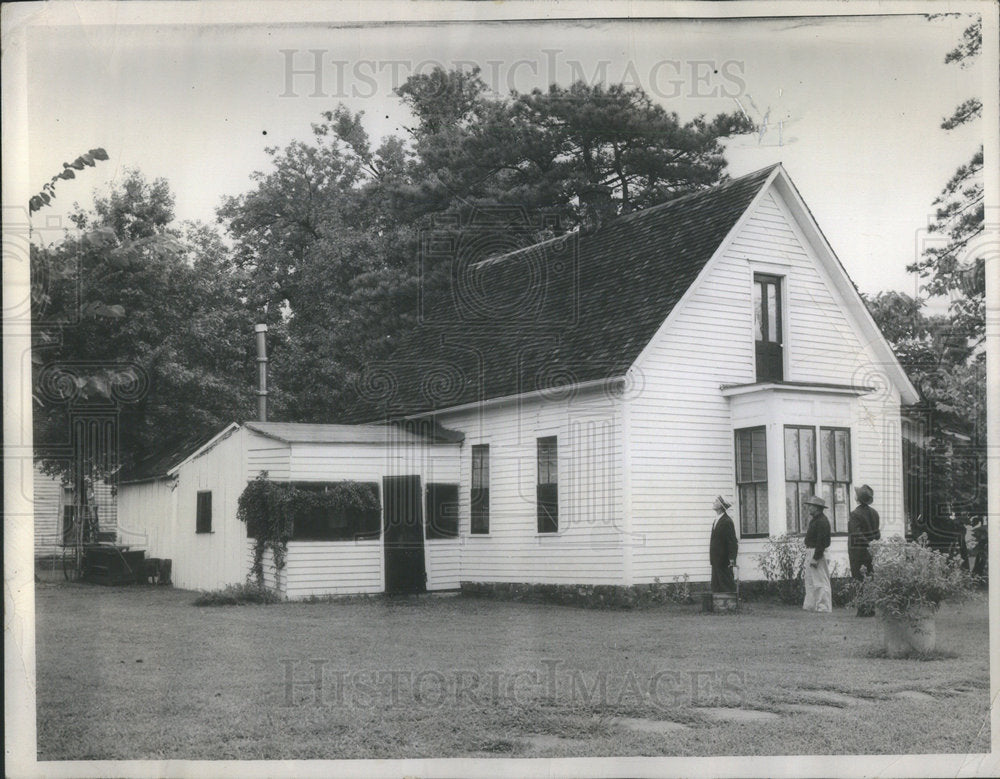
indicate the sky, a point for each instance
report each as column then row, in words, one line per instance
column 853, row 104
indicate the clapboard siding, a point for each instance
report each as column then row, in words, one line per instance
column 337, row 568
column 266, row 454
column 588, row 546
column 48, row 501
column 47, row 507
column 207, row 561
column 332, row 568
column 680, row 451
column 146, row 512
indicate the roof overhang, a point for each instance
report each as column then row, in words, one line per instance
column 806, row 387
column 611, row 383
column 209, row 444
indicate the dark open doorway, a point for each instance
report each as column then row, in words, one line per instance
column 404, row 535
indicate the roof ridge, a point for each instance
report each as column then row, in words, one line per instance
column 688, row 196
column 632, row 215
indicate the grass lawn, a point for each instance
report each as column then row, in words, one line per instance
column 140, row 673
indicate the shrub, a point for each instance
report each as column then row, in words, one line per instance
column 237, row 595
column 782, row 563
column 911, row 579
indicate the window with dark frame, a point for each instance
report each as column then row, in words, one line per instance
column 800, row 475
column 768, row 325
column 329, row 524
column 547, row 496
column 835, row 468
column 480, row 497
column 203, row 519
column 751, row 480
column 441, row 514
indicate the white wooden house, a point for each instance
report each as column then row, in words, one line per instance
column 53, row 503
column 601, row 391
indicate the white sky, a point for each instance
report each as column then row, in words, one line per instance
column 863, row 98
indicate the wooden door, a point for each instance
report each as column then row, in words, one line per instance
column 403, row 535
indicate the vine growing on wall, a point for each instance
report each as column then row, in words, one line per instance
column 270, row 510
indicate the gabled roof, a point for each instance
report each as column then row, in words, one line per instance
column 170, row 457
column 568, row 311
column 169, row 454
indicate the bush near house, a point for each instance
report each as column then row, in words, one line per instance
column 238, row 595
column 912, row 579
column 783, row 564
column 607, row 596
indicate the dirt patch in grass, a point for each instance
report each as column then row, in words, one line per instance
column 879, row 653
column 643, row 725
column 815, row 708
column 724, row 714
column 913, row 695
column 834, row 698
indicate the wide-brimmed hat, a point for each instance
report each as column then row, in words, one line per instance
column 815, row 500
column 721, row 501
column 864, row 494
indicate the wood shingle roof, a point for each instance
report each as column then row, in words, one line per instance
column 575, row 309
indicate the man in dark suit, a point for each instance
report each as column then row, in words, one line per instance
column 862, row 529
column 723, row 548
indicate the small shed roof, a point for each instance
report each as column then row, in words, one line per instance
column 174, row 453
column 308, row 433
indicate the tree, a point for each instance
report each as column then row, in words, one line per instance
column 141, row 335
column 958, row 268
column 330, row 235
column 945, row 457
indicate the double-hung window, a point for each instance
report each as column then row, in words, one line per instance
column 751, row 480
column 835, row 464
column 548, row 485
column 832, row 483
column 203, row 515
column 800, row 475
column 480, row 497
column 767, row 325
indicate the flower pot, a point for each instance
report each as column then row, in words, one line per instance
column 903, row 635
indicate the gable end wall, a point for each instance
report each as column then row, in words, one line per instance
column 680, row 451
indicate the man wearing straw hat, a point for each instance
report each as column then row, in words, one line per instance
column 817, row 571
column 722, row 548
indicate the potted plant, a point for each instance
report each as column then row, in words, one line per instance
column 910, row 581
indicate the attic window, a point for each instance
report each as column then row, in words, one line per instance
column 767, row 326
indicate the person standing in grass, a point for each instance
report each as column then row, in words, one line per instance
column 862, row 529
column 723, row 548
column 817, row 572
